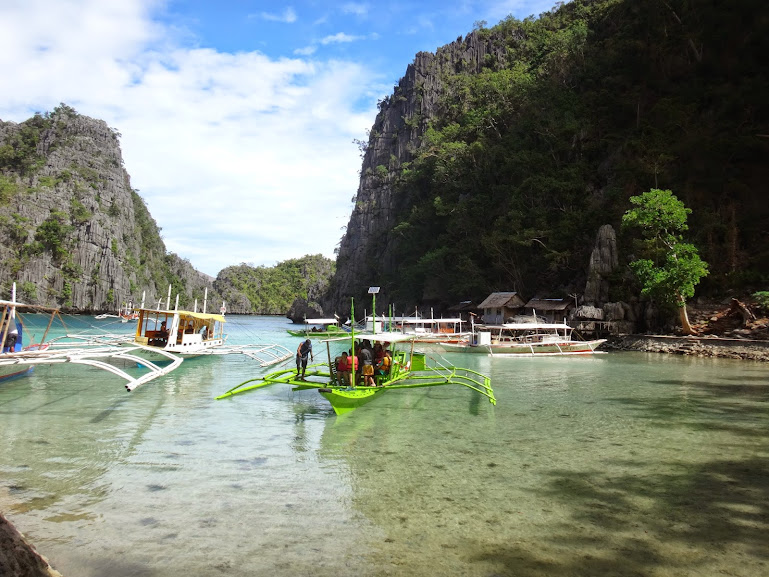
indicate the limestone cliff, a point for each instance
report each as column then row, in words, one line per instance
column 496, row 160
column 397, row 133
column 73, row 233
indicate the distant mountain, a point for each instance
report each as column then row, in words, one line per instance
column 495, row 161
column 272, row 290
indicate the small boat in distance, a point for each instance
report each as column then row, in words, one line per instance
column 125, row 313
column 524, row 339
column 319, row 329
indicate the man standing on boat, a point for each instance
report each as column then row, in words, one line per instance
column 302, row 352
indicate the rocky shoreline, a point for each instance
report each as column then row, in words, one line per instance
column 730, row 348
column 18, row 558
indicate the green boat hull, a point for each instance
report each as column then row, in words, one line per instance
column 327, row 334
column 344, row 400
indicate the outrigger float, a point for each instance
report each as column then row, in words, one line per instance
column 98, row 351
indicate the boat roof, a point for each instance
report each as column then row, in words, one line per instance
column 528, row 326
column 389, row 337
column 321, row 321
column 413, row 321
column 187, row 314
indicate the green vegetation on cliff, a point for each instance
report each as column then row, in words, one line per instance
column 272, row 290
column 590, row 104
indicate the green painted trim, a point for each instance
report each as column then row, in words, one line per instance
column 327, row 334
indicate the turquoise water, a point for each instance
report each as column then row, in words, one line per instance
column 618, row 464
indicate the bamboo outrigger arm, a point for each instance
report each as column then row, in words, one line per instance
column 92, row 357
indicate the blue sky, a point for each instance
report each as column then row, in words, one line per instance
column 237, row 117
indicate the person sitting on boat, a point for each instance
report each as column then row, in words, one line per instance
column 161, row 336
column 302, row 352
column 344, row 369
column 383, row 364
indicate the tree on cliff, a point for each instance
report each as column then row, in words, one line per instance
column 671, row 268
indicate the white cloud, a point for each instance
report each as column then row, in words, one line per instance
column 288, row 16
column 306, row 51
column 240, row 157
column 355, row 8
column 340, row 38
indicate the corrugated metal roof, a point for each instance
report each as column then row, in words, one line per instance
column 502, row 299
column 548, row 304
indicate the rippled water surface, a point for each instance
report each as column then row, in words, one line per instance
column 618, row 464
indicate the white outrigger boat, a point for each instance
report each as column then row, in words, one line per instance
column 106, row 352
column 154, row 349
column 448, row 330
column 524, row 339
column 125, row 313
column 193, row 334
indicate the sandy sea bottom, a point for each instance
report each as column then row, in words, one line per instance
column 618, row 464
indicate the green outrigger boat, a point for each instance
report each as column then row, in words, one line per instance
column 409, row 369
column 319, row 329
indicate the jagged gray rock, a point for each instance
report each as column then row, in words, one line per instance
column 615, row 311
column 301, row 309
column 603, row 261
column 588, row 312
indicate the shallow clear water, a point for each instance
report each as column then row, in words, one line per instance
column 618, row 464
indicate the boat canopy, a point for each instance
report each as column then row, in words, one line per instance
column 371, row 336
column 415, row 321
column 321, row 321
column 187, row 314
column 528, row 326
